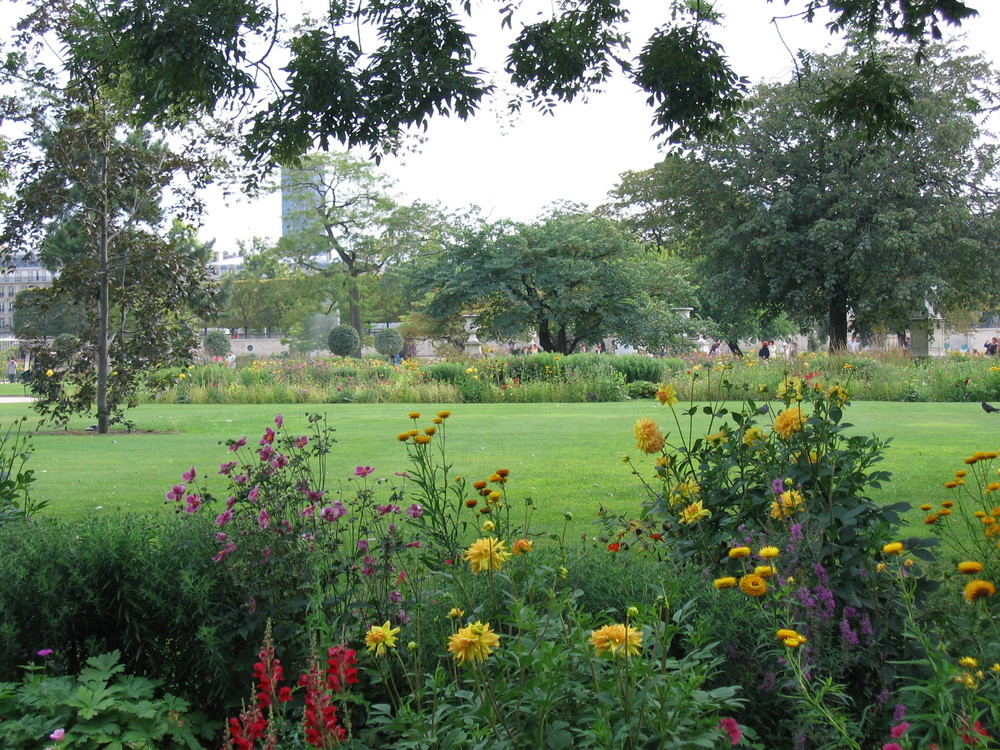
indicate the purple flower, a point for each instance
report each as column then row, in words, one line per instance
column 777, row 485
column 363, row 471
column 268, row 436
column 395, row 597
column 188, row 476
column 230, row 501
column 266, row 452
column 193, row 503
column 263, row 519
column 848, row 636
column 300, row 442
column 176, row 492
column 280, row 461
column 402, row 474
column 57, row 735
column 278, row 421
column 44, row 652
column 390, row 508
column 241, row 479
column 221, row 536
column 308, row 511
column 899, row 713
column 227, row 467
column 414, row 511
column 253, row 494
column 224, row 517
column 362, row 545
column 236, row 445
column 333, row 512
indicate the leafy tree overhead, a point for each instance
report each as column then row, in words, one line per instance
column 572, row 278
column 804, row 217
column 41, row 312
column 415, row 59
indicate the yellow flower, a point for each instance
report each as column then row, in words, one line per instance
column 926, row 507
column 976, row 590
column 764, row 571
column 787, row 503
column 667, row 395
column 893, row 548
column 686, row 490
column 50, row 373
column 951, row 485
column 753, row 585
column 790, row 638
column 616, row 640
column 727, row 582
column 521, row 546
column 430, row 431
column 716, row 438
column 474, row 642
column 753, row 435
column 489, row 526
column 437, row 420
column 880, row 568
column 838, row 396
column 992, row 487
column 486, row 554
column 786, row 633
column 413, row 415
column 768, row 553
column 648, row 437
column 421, row 439
column 737, row 552
column 789, row 422
column 961, row 473
column 968, row 662
column 403, row 437
column 455, row 613
column 694, row 512
column 444, row 414
column 968, row 567
column 790, row 390
column 381, row 637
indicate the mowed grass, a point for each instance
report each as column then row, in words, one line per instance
column 567, row 457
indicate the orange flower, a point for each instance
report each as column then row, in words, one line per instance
column 976, row 590
column 789, row 422
column 753, row 585
column 648, row 437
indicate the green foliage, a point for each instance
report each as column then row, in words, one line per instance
column 343, row 341
column 388, row 341
column 40, row 312
column 146, row 588
column 636, row 367
column 15, row 480
column 99, row 708
column 217, row 344
column 448, row 372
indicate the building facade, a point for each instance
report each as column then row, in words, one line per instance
column 21, row 274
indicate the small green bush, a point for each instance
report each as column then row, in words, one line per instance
column 217, row 344
column 446, row 372
column 343, row 341
column 388, row 341
column 636, row 367
column 641, row 389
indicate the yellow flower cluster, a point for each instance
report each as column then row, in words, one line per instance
column 788, row 503
column 790, row 638
column 616, row 640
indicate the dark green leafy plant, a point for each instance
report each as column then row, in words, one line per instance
column 343, row 341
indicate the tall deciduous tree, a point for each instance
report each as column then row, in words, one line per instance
column 342, row 223
column 802, row 216
column 362, row 73
column 571, row 278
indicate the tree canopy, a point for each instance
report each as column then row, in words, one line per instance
column 572, row 278
column 802, row 216
column 361, row 74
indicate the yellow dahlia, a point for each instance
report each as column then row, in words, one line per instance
column 688, row 490
column 648, row 437
column 753, row 435
column 976, row 590
column 968, row 567
column 487, row 553
column 790, row 390
column 694, row 513
column 380, row 637
column 789, row 422
column 789, row 502
column 893, row 548
column 521, row 546
column 726, row 582
column 616, row 640
column 753, row 585
column 667, row 395
column 474, row 642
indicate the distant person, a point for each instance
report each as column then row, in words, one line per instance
column 231, row 361
column 853, row 345
column 715, row 348
column 990, row 347
column 12, row 371
column 765, row 350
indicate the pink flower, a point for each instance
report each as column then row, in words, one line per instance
column 45, row 652
column 254, row 493
column 414, row 511
column 223, row 518
column 333, row 512
column 305, row 513
column 237, row 444
column 188, row 476
column 266, row 452
column 57, row 735
column 280, row 461
column 227, row 467
column 176, row 492
column 193, row 503
column 268, row 436
column 363, row 545
column 897, row 731
column 731, row 727
column 892, row 746
column 228, row 549
column 263, row 519
column 363, row 471
column 278, row 421
column 300, row 442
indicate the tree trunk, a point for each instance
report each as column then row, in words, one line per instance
column 734, row 347
column 354, row 305
column 838, row 322
column 104, row 300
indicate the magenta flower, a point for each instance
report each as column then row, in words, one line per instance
column 241, row 479
column 227, row 550
column 308, row 511
column 253, row 494
column 266, row 452
column 278, row 421
column 263, row 519
column 237, row 444
column 227, row 467
column 363, row 545
column 223, row 518
column 414, row 511
column 193, row 503
column 333, row 512
column 45, row 652
column 892, row 746
column 268, row 436
column 301, row 442
column 176, row 492
column 385, row 509
column 899, row 730
column 221, row 536
column 395, row 597
column 280, row 461
column 732, row 728
column 315, row 495
column 413, row 545
column 57, row 735
column 230, row 501
column 363, row 471
column 188, row 476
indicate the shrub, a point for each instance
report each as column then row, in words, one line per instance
column 636, row 367
column 388, row 341
column 447, row 372
column 641, row 389
column 217, row 344
column 343, row 341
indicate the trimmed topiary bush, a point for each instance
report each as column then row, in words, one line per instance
column 217, row 344
column 343, row 341
column 388, row 341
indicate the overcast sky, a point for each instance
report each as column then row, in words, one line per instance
column 513, row 169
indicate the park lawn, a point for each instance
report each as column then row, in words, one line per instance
column 567, row 457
